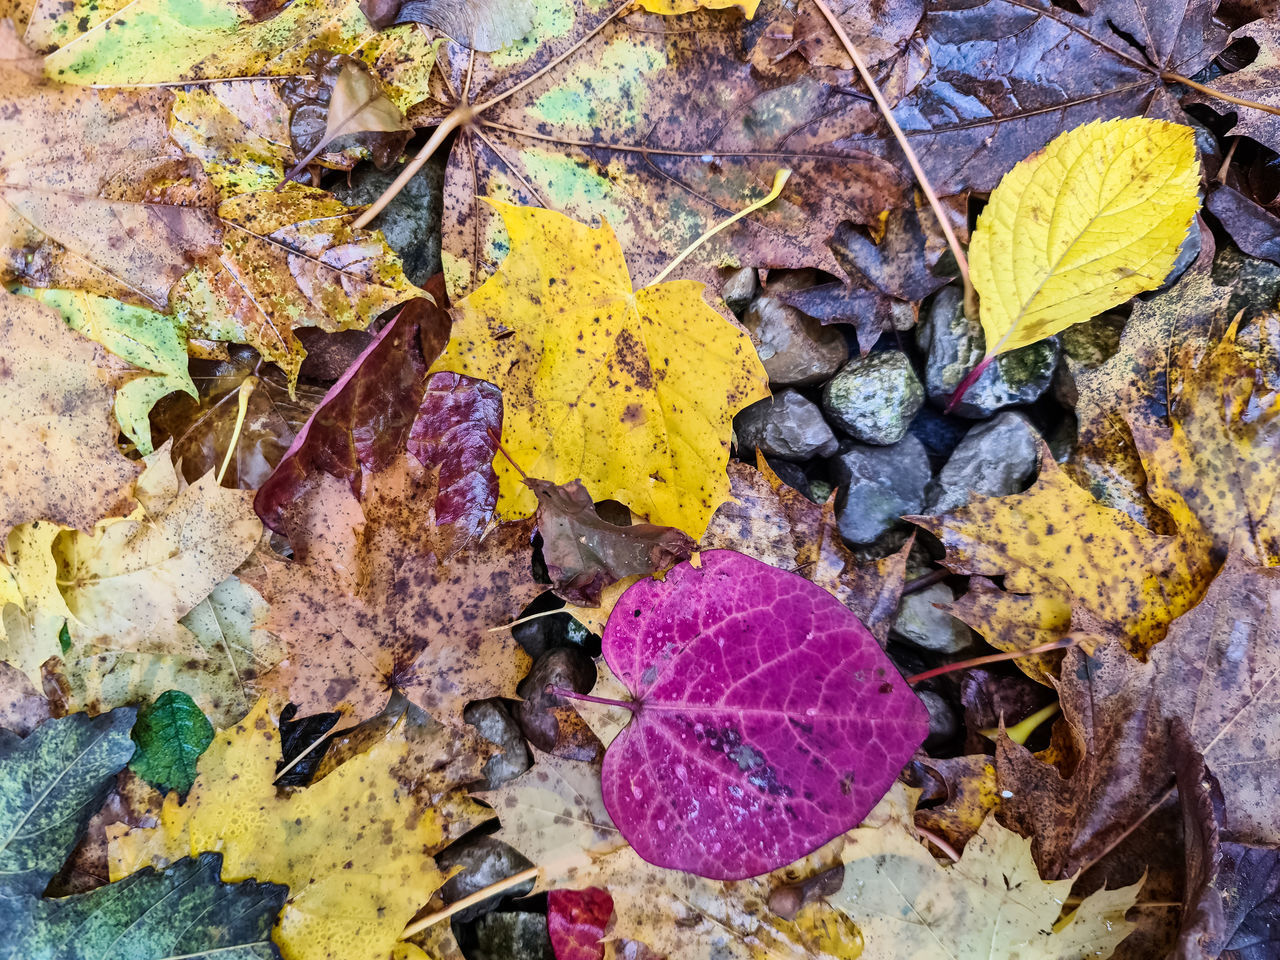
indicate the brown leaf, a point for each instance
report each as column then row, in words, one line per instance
column 367, row 607
column 879, row 30
column 971, row 794
column 550, row 722
column 1259, row 82
column 1254, row 228
column 585, row 553
column 56, row 422
column 485, row 25
column 779, row 525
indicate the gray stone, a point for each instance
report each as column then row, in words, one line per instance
column 786, row 426
column 994, row 459
column 954, row 345
column 942, row 719
column 873, row 398
column 878, row 485
column 922, row 624
column 484, row 861
column 794, row 349
column 494, row 722
column 512, row 936
column 410, row 222
column 740, row 288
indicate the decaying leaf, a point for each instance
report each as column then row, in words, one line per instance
column 354, row 849
column 1259, row 82
column 555, row 815
column 585, row 552
column 1082, row 226
column 485, row 25
column 781, row 718
column 632, row 392
column 56, row 426
column 992, row 903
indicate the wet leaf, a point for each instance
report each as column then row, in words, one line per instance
column 971, row 795
column 184, row 911
column 142, row 337
column 51, row 783
column 171, row 733
column 632, row 392
column 576, row 922
column 368, row 605
column 353, row 849
column 991, row 903
column 56, row 426
column 486, row 25
column 1082, row 226
column 727, row 797
column 878, row 29
column 585, row 552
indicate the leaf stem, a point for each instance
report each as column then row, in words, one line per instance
column 969, row 380
column 533, row 616
column 574, row 695
column 1218, row 94
column 779, row 181
column 242, row 407
column 484, row 893
column 938, row 842
column 1062, row 644
column 970, row 297
column 460, row 116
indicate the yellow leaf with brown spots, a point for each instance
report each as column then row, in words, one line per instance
column 632, row 392
column 58, row 454
column 970, row 782
column 555, row 816
column 670, row 7
column 355, row 848
column 1056, row 543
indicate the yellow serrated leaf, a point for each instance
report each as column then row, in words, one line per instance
column 631, row 391
column 1083, row 225
column 668, row 7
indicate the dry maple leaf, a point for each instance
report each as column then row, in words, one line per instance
column 632, row 392
column 368, row 606
column 56, row 426
column 991, row 905
column 1065, row 551
column 555, row 816
column 354, row 849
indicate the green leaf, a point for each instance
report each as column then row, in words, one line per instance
column 171, row 734
column 51, row 783
column 145, row 338
column 183, row 912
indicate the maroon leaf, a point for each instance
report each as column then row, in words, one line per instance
column 585, row 553
column 576, row 920
column 385, row 404
column 767, row 720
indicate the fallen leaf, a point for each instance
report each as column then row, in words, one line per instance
column 1254, row 228
column 171, row 733
column 1057, row 546
column 487, row 26
column 56, row 423
column 971, row 794
column 1258, row 82
column 139, row 336
column 632, row 392
column 84, row 202
column 367, row 606
column 52, row 782
column 182, row 911
column 676, row 7
column 585, row 552
column 782, row 527
column 991, row 903
column 203, row 428
column 729, row 796
column 576, row 922
column 1044, row 254
column 354, row 849
column 357, row 106
column 555, row 816
column 658, row 126
column 879, row 30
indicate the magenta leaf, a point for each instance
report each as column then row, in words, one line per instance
column 576, row 920
column 385, row 404
column 767, row 718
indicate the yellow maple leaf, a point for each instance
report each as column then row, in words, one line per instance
column 354, row 849
column 1094, row 218
column 991, row 904
column 631, row 391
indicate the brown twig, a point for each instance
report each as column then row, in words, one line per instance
column 970, row 297
column 1218, row 94
column 938, row 842
column 417, row 926
column 461, row 115
column 1062, row 644
column 925, row 581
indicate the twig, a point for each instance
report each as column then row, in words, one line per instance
column 925, row 581
column 1226, row 161
column 938, row 842
column 970, row 297
column 294, row 762
column 242, row 407
column 1218, row 94
column 417, row 926
column 1062, row 644
column 461, row 115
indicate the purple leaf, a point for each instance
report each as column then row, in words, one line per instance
column 386, row 404
column 767, row 718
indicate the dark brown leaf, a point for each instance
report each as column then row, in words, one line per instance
column 1255, row 229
